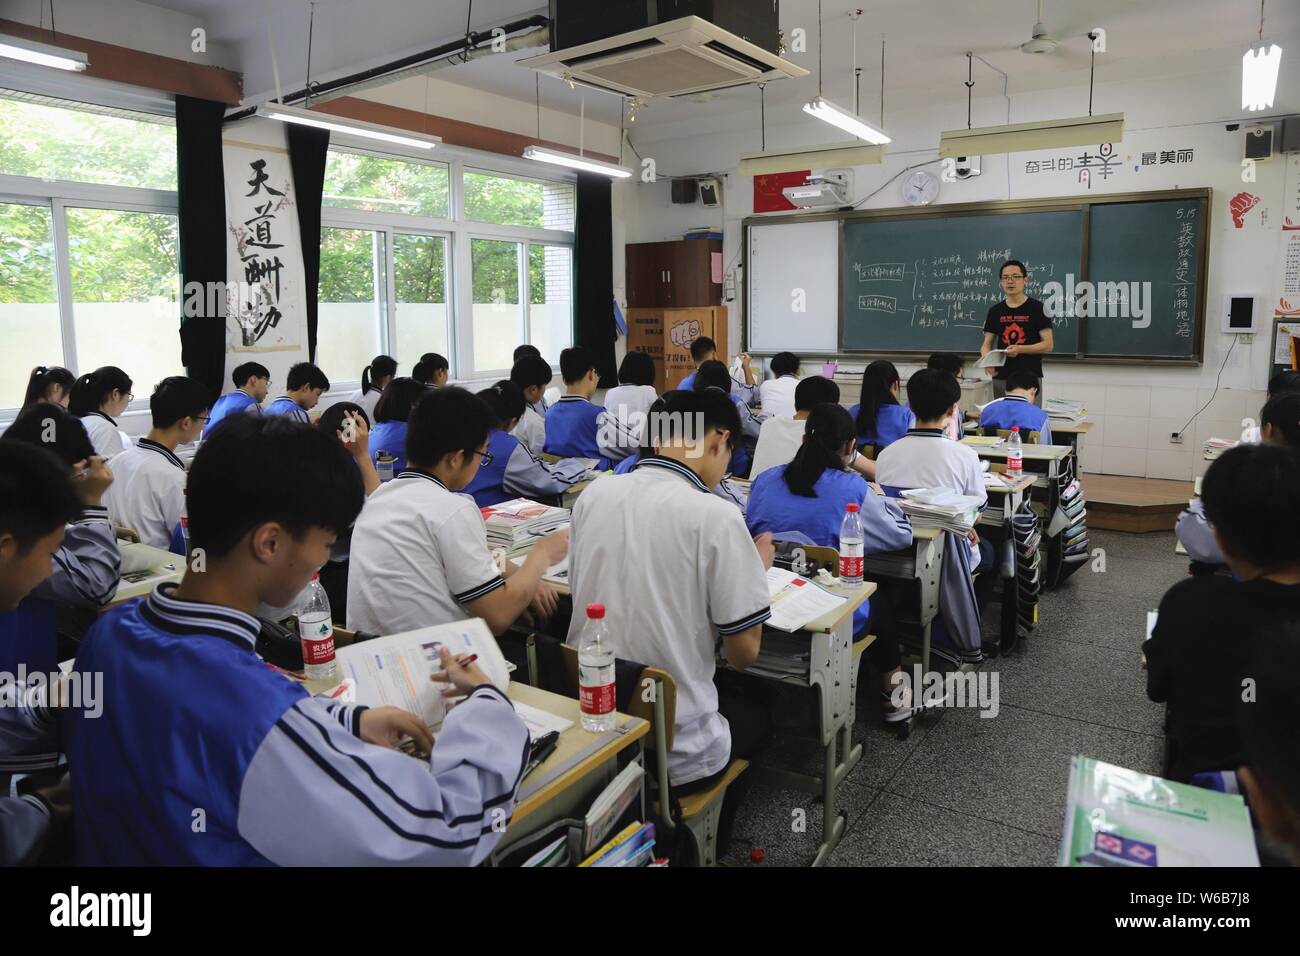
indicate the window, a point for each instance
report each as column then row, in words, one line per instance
column 421, row 280
column 361, row 181
column 550, row 298
column 513, row 201
column 498, row 315
column 351, row 301
column 88, row 242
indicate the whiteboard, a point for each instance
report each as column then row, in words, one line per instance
column 783, row 259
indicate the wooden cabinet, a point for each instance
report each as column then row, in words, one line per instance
column 667, row 334
column 679, row 274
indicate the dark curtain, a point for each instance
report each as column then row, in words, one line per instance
column 201, row 196
column 593, row 267
column 307, row 148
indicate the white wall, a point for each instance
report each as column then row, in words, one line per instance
column 1135, row 408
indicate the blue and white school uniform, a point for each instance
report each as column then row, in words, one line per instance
column 1196, row 534
column 892, row 423
column 389, row 437
column 747, row 393
column 237, row 402
column 573, row 430
column 148, row 492
column 108, row 440
column 284, row 405
column 531, row 428
column 751, row 425
column 27, row 726
column 777, row 396
column 516, row 473
column 1017, row 411
column 925, row 458
column 627, row 409
column 194, row 720
column 774, row 507
column 367, row 399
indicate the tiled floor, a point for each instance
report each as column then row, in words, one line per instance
column 966, row 790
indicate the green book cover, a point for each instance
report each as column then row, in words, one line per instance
column 1119, row 817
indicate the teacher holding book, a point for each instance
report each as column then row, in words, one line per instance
column 1019, row 326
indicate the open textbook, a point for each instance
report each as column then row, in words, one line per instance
column 396, row 670
column 994, row 358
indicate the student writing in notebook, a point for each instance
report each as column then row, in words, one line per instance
column 252, row 385
column 304, row 386
column 281, row 777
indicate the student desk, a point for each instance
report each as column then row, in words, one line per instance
column 999, row 520
column 570, row 496
column 581, row 765
column 1071, row 433
column 921, row 561
column 149, row 567
column 832, row 670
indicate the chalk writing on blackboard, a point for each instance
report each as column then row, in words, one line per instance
column 878, row 303
column 880, row 271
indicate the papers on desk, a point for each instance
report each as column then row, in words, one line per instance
column 941, row 508
column 555, row 574
column 796, row 601
column 995, row 479
column 1214, row 447
column 1118, row 817
column 984, row 441
column 516, row 525
column 541, row 722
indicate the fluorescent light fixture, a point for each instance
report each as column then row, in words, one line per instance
column 828, row 112
column 1259, row 75
column 555, row 157
column 339, row 124
column 832, row 156
column 1020, row 137
column 43, row 54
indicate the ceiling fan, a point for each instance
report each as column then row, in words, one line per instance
column 1041, row 41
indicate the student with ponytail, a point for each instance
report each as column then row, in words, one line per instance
column 374, row 379
column 51, row 384
column 99, row 398
column 809, row 496
column 431, row 370
column 879, row 419
column 392, row 412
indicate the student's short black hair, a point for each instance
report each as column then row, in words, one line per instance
column 1021, row 379
column 50, row 426
column 949, row 362
column 43, row 377
column 702, row 347
column 306, row 375
column 243, row 373
column 531, row 370
column 398, row 398
column 446, row 421
column 931, row 392
column 177, row 397
column 505, row 399
column 429, row 365
column 1268, row 722
column 1286, row 380
column 1012, row 262
column 36, row 493
column 1251, row 495
column 637, row 368
column 784, row 363
column 331, row 420
column 575, row 363
column 93, row 389
column 300, row 477
column 681, row 412
column 713, row 374
column 1283, row 413
column 522, row 351
column 814, row 390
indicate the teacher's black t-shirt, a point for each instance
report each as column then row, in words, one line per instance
column 1021, row 325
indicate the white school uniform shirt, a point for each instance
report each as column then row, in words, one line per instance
column 531, row 430
column 676, row 569
column 628, row 407
column 777, row 396
column 778, row 441
column 148, row 492
column 925, row 458
column 108, row 439
column 419, row 554
column 367, row 400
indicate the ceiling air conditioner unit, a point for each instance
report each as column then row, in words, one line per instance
column 676, row 58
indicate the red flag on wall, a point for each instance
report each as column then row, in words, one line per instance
column 767, row 190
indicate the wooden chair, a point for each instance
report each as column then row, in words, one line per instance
column 701, row 812
column 550, row 459
column 1029, row 438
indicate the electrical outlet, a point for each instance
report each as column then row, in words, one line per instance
column 1176, row 438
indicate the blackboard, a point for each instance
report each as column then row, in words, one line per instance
column 926, row 284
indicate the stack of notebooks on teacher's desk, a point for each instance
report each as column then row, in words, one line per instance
column 1214, row 447
column 942, row 509
column 516, row 525
column 1118, row 817
column 1063, row 411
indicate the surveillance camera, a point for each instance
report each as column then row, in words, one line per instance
column 1232, row 127
column 964, row 168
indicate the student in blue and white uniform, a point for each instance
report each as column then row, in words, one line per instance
column 713, row 374
column 510, row 470
column 303, row 386
column 779, row 438
column 531, row 374
column 87, row 566
column 148, row 491
column 575, row 425
column 809, row 496
column 776, row 396
column 704, row 349
column 432, row 370
column 99, row 398
column 879, row 418
column 391, row 415
column 37, row 501
column 252, row 385
column 1018, row 409
column 419, row 550
column 282, row 777
column 374, row 379
column 629, row 402
column 954, row 365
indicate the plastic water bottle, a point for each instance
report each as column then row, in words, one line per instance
column 1015, row 454
column 596, row 673
column 851, row 546
column 316, row 631
column 384, row 462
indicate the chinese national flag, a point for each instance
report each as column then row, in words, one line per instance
column 767, row 190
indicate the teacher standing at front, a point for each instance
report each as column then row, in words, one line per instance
column 1020, row 325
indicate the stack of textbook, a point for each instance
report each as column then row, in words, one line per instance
column 518, row 524
column 940, row 508
column 1063, row 411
